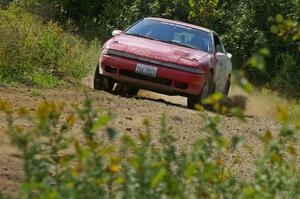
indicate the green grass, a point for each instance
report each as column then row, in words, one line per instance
column 36, row 93
column 275, row 99
column 40, row 54
column 46, row 81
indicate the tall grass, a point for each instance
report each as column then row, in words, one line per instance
column 275, row 99
column 38, row 53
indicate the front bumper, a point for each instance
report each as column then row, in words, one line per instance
column 169, row 81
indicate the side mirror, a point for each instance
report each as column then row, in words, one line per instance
column 229, row 55
column 116, row 32
column 219, row 48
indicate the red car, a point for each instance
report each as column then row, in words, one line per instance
column 165, row 56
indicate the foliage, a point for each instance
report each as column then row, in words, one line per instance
column 287, row 62
column 244, row 26
column 37, row 53
column 249, row 29
column 101, row 162
column 93, row 19
column 204, row 12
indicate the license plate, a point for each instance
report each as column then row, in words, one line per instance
column 146, row 70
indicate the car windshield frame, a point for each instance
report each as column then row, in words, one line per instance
column 188, row 30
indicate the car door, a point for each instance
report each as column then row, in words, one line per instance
column 223, row 66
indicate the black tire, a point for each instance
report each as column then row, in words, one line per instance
column 132, row 91
column 227, row 86
column 125, row 90
column 206, row 91
column 118, row 89
column 101, row 82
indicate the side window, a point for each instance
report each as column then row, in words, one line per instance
column 218, row 44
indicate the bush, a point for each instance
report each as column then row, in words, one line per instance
column 102, row 163
column 37, row 53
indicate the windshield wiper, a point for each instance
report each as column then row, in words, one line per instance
column 139, row 35
column 179, row 44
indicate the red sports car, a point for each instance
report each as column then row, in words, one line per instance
column 165, row 56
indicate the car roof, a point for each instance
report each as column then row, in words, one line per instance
column 180, row 23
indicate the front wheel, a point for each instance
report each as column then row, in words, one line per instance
column 101, row 82
column 227, row 86
column 206, row 91
column 125, row 90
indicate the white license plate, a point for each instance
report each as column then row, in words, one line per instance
column 146, row 70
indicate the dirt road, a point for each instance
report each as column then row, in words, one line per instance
column 129, row 116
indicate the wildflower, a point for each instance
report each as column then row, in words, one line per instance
column 291, row 149
column 23, row 111
column 114, row 169
column 146, row 122
column 70, row 120
column 282, row 114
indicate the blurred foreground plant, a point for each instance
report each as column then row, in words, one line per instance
column 100, row 162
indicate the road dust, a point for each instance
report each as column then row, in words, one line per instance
column 252, row 104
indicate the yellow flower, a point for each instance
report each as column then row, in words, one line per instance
column 146, row 122
column 199, row 107
column 224, row 110
column 291, row 149
column 298, row 126
column 19, row 129
column 70, row 120
column 143, row 137
column 219, row 162
column 114, row 169
column 282, row 114
column 267, row 137
column 6, row 107
column 115, row 159
column 217, row 107
column 23, row 111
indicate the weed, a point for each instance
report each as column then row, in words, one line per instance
column 41, row 54
column 35, row 93
column 58, row 165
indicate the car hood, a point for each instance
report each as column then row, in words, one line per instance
column 156, row 50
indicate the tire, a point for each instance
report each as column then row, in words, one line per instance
column 101, row 82
column 132, row 91
column 227, row 87
column 125, row 90
column 206, row 91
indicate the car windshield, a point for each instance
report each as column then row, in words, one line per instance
column 172, row 33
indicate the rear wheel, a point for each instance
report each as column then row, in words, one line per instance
column 206, row 91
column 101, row 82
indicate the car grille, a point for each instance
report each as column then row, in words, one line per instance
column 157, row 80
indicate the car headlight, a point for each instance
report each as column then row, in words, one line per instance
column 104, row 51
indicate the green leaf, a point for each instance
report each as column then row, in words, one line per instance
column 237, row 112
column 101, row 122
column 191, row 170
column 112, row 133
column 158, row 177
column 274, row 29
column 236, row 141
column 279, row 18
column 264, row 52
column 249, row 191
